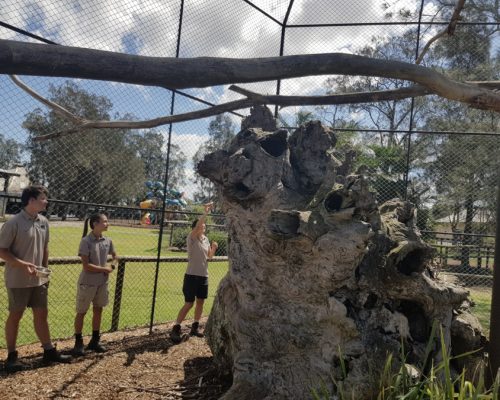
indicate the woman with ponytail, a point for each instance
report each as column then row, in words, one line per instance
column 93, row 281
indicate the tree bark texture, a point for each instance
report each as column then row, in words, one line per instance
column 19, row 58
column 322, row 282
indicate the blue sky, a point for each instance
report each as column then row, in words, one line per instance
column 210, row 28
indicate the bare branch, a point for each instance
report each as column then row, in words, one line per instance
column 344, row 98
column 208, row 112
column 253, row 99
column 449, row 30
column 247, row 93
column 455, row 17
column 491, row 85
column 174, row 73
column 54, row 106
column 428, row 45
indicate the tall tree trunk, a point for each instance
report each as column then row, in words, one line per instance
column 322, row 283
column 467, row 240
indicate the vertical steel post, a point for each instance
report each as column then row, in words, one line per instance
column 412, row 111
column 494, row 345
column 165, row 183
column 282, row 49
column 120, row 279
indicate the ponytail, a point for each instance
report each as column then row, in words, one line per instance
column 85, row 227
column 90, row 221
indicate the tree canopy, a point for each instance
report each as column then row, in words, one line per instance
column 11, row 152
column 108, row 166
column 220, row 132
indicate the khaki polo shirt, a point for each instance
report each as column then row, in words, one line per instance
column 197, row 255
column 97, row 250
column 26, row 238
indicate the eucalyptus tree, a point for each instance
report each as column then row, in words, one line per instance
column 221, row 130
column 102, row 168
column 11, row 152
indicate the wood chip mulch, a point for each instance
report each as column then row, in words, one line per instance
column 136, row 366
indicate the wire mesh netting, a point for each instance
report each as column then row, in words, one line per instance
column 440, row 155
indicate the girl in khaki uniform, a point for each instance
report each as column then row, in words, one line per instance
column 195, row 286
column 93, row 281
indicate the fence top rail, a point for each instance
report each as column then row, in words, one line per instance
column 78, row 260
column 462, row 246
column 17, row 196
column 459, row 234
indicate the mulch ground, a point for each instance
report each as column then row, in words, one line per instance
column 136, row 366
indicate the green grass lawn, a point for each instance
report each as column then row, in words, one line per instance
column 138, row 284
column 137, row 294
column 482, row 307
column 64, row 241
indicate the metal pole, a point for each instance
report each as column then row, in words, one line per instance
column 494, row 346
column 162, row 218
column 412, row 111
column 120, row 279
column 282, row 50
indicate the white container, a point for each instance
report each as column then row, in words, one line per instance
column 43, row 272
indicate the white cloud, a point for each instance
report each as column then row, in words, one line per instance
column 188, row 142
column 210, row 27
column 340, row 11
column 208, row 94
column 220, row 28
column 227, row 29
column 98, row 24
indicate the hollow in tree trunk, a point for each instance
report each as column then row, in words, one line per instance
column 322, row 282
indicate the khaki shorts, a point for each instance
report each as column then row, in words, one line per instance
column 34, row 297
column 86, row 294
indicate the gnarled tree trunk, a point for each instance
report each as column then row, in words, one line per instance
column 320, row 277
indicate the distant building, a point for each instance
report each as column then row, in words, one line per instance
column 12, row 183
column 481, row 216
column 482, row 220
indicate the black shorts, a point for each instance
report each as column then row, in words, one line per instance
column 195, row 287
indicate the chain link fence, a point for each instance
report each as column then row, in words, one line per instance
column 442, row 156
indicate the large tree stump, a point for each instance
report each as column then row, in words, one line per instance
column 320, row 277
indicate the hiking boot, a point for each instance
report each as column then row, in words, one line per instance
column 96, row 346
column 78, row 350
column 175, row 334
column 53, row 356
column 194, row 330
column 12, row 364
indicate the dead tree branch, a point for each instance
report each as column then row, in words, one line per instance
column 82, row 124
column 449, row 30
column 54, row 106
column 253, row 98
column 173, row 73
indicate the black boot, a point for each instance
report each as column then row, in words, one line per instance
column 12, row 364
column 53, row 356
column 194, row 330
column 78, row 350
column 175, row 334
column 95, row 345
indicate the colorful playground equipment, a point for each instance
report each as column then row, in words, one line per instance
column 174, row 201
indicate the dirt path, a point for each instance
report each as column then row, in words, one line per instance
column 136, row 366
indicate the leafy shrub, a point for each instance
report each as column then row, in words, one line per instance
column 221, row 238
column 179, row 239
